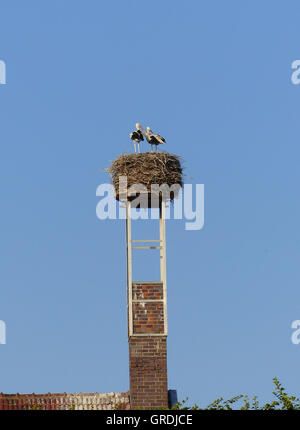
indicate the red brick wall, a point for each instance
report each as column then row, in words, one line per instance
column 148, row 354
column 148, row 317
column 64, row 401
column 148, row 372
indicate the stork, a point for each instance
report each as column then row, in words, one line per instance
column 137, row 136
column 153, row 139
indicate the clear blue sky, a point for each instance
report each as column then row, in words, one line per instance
column 213, row 77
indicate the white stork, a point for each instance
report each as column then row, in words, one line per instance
column 137, row 136
column 154, row 139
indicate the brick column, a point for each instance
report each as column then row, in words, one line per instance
column 148, row 354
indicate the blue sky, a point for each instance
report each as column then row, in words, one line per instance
column 214, row 78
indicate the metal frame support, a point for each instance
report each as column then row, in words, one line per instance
column 163, row 265
column 129, row 267
column 163, row 277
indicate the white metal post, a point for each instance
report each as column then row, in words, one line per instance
column 129, row 267
column 161, row 237
column 163, row 267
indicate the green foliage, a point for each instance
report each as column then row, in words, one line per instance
column 284, row 401
column 118, row 406
column 242, row 402
column 35, row 408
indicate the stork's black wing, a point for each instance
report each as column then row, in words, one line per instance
column 140, row 134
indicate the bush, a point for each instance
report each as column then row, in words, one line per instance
column 282, row 401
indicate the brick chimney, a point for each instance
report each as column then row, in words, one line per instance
column 147, row 326
column 148, row 351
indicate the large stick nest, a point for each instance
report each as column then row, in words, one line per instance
column 146, row 168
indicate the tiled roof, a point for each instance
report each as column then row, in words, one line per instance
column 64, row 401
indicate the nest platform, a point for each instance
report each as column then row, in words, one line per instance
column 143, row 170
